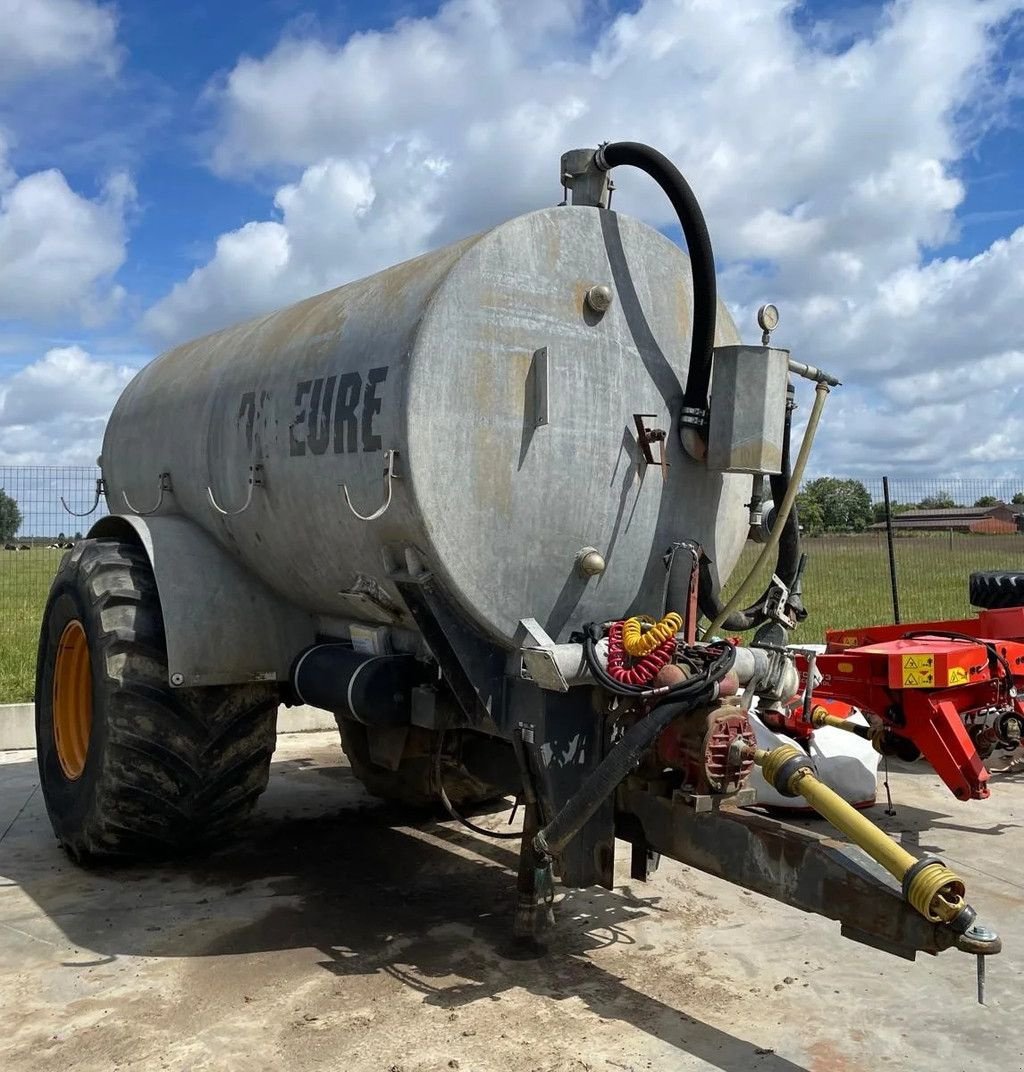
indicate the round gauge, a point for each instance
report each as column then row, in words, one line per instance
column 768, row 317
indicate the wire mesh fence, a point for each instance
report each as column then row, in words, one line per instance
column 941, row 531
column 35, row 531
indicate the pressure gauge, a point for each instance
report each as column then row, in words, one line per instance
column 768, row 317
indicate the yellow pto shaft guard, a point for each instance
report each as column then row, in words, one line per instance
column 928, row 885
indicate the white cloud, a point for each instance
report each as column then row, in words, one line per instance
column 829, row 178
column 42, row 36
column 58, row 249
column 53, row 411
column 337, row 211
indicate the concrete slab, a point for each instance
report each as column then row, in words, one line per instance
column 18, row 723
column 336, row 933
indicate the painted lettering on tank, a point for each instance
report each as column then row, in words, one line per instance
column 346, row 423
column 297, row 446
column 338, row 410
column 371, row 407
column 320, row 405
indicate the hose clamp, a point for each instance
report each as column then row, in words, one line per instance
column 693, row 416
column 599, row 160
column 784, row 775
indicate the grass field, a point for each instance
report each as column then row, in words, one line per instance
column 846, row 584
column 25, row 578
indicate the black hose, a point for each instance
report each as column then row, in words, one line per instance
column 787, row 562
column 702, row 345
column 450, row 808
column 698, row 245
column 603, row 780
column 592, row 633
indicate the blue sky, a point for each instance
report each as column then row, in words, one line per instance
column 166, row 169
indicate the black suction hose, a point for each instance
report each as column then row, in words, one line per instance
column 698, row 245
column 603, row 780
column 787, row 564
column 702, row 345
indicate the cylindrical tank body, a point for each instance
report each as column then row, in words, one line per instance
column 509, row 400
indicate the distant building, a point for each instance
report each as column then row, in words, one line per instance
column 990, row 520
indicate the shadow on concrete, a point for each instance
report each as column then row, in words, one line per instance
column 373, row 894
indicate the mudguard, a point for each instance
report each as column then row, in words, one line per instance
column 224, row 626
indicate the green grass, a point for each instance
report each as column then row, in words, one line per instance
column 25, row 578
column 846, row 584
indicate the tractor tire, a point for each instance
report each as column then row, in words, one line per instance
column 994, row 591
column 413, row 783
column 130, row 767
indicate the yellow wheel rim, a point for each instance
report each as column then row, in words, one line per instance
column 72, row 700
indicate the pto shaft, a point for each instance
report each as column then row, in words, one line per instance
column 928, row 885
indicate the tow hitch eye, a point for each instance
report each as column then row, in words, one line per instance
column 930, row 887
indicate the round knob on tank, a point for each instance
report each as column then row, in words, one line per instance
column 599, row 297
column 590, row 562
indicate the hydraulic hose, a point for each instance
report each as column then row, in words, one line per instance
column 787, row 564
column 702, row 258
column 605, row 778
column 820, row 394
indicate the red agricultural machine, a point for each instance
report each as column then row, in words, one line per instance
column 944, row 691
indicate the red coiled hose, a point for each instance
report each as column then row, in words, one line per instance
column 643, row 670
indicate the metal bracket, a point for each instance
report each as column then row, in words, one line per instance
column 541, row 386
column 255, row 481
column 389, row 476
column 164, row 485
column 647, row 437
column 777, row 602
column 100, row 490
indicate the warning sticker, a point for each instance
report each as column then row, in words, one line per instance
column 957, row 675
column 918, row 671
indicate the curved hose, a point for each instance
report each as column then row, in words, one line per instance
column 787, row 564
column 638, row 643
column 820, row 394
column 604, row 779
column 698, row 245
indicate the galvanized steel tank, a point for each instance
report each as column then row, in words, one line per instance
column 501, row 478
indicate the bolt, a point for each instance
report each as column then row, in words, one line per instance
column 599, row 297
column 177, row 679
column 591, row 562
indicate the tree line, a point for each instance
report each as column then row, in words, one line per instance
column 837, row 504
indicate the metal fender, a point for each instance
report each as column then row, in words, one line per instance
column 223, row 625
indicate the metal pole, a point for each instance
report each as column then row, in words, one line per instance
column 892, row 552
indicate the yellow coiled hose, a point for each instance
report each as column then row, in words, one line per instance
column 638, row 643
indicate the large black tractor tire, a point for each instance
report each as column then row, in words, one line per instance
column 129, row 766
column 414, row 782
column 993, row 591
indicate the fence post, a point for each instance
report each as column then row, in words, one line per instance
column 892, row 552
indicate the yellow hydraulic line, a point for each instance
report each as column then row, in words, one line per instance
column 820, row 717
column 934, row 891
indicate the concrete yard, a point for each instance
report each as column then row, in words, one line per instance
column 333, row 935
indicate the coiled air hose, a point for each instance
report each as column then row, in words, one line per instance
column 638, row 643
column 626, row 753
